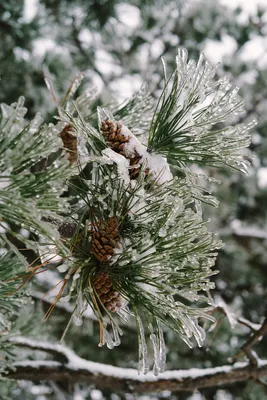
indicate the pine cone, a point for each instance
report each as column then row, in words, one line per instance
column 105, row 238
column 70, row 143
column 67, row 229
column 113, row 136
column 107, row 295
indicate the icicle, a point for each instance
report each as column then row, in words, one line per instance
column 158, row 349
column 162, row 349
column 116, row 332
column 155, row 344
column 143, row 362
column 81, row 306
column 107, row 339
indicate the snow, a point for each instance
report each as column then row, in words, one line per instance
column 77, row 363
column 105, row 63
column 124, row 87
column 248, row 7
column 255, row 50
column 158, row 167
column 246, row 231
column 128, row 15
column 196, row 396
column 48, row 254
column 223, row 395
column 30, row 10
column 122, row 164
column 216, row 50
column 156, row 163
column 262, row 178
column 252, row 325
column 96, row 394
column 251, row 231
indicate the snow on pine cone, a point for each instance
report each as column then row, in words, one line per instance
column 105, row 238
column 110, row 298
column 116, row 140
column 70, row 143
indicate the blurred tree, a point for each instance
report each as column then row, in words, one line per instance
column 118, row 46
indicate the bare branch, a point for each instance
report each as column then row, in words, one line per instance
column 77, row 369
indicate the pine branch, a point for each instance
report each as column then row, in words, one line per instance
column 137, row 241
column 77, row 369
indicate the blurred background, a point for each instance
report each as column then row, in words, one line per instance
column 118, row 46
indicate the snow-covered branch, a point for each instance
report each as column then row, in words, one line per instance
column 251, row 232
column 77, row 369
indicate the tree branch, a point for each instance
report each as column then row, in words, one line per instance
column 77, row 369
column 254, row 338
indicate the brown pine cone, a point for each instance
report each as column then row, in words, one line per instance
column 70, row 143
column 113, row 136
column 105, row 238
column 107, row 295
column 67, row 229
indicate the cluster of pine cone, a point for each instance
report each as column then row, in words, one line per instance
column 104, row 240
column 105, row 234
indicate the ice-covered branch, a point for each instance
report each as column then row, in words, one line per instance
column 76, row 369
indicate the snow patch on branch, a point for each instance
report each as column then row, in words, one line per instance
column 122, row 164
column 77, row 363
column 157, row 164
column 158, row 167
